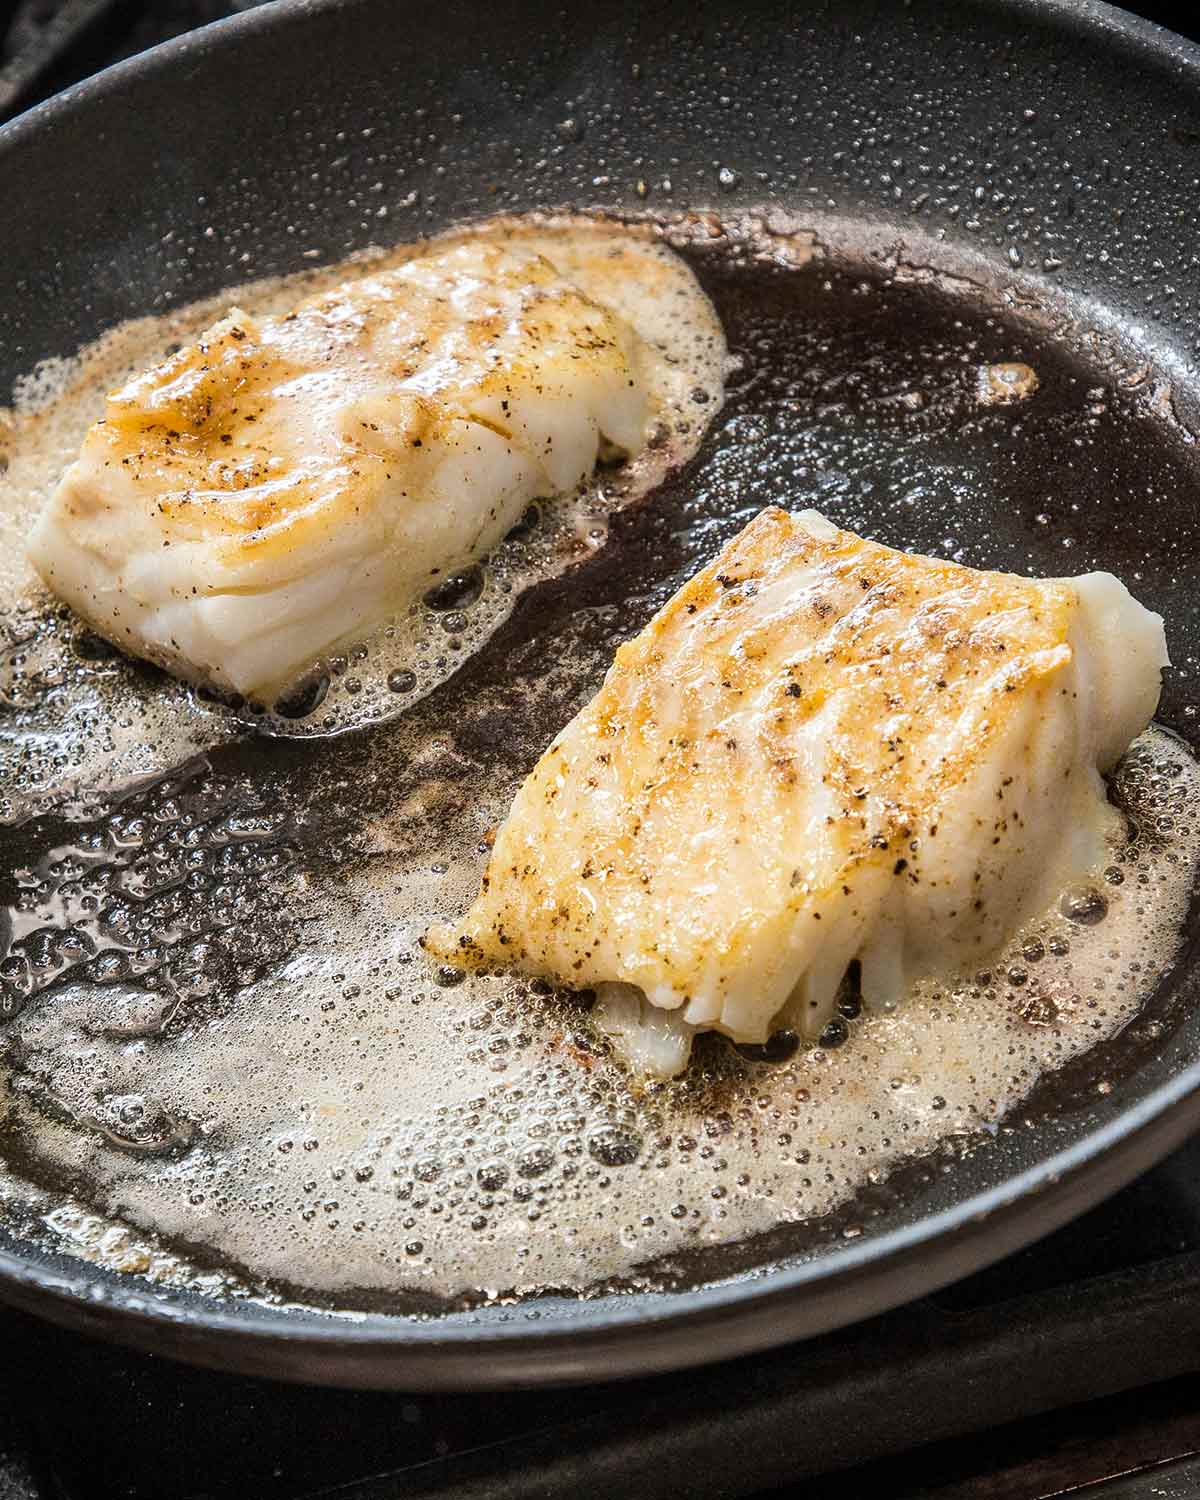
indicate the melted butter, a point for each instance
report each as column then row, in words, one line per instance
column 350, row 1121
column 228, row 1062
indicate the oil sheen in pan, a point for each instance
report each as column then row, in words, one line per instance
column 222, row 1034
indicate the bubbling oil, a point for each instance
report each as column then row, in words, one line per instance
column 225, row 1026
column 228, row 1062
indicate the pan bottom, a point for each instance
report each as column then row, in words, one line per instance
column 231, row 1068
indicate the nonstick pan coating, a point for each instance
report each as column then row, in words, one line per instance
column 1048, row 154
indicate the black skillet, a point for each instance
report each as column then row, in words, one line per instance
column 1045, row 152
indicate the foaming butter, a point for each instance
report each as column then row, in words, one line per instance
column 228, row 1062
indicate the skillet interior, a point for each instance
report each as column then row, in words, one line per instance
column 812, row 118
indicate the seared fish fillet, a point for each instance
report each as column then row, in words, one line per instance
column 284, row 484
column 819, row 750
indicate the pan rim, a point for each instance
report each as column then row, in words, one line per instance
column 1156, row 43
column 139, row 1313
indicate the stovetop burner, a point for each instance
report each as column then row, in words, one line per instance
column 1014, row 1376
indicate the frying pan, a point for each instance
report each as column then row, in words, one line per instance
column 1044, row 155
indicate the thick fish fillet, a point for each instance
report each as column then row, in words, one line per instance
column 819, row 750
column 285, row 483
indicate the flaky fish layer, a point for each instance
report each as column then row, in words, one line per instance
column 285, row 483
column 819, row 750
